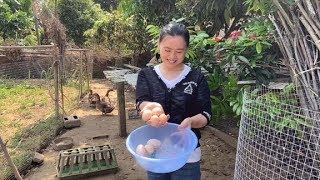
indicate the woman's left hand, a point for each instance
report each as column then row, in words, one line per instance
column 186, row 123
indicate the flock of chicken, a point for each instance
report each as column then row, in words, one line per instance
column 100, row 103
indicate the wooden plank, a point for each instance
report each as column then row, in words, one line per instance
column 27, row 47
column 77, row 49
column 132, row 67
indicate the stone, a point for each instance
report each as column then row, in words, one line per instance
column 38, row 158
column 71, row 122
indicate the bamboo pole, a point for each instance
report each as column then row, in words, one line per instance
column 9, row 160
column 311, row 32
column 313, row 22
column 283, row 12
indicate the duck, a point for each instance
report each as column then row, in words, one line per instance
column 93, row 98
column 103, row 106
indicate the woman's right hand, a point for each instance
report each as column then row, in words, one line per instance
column 153, row 114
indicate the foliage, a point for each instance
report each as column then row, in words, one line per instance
column 153, row 12
column 271, row 109
column 260, row 6
column 107, row 5
column 30, row 40
column 212, row 16
column 199, row 44
column 227, row 95
column 247, row 52
column 14, row 21
column 118, row 33
column 23, row 5
column 78, row 17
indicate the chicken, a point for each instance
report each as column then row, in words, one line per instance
column 93, row 98
column 103, row 106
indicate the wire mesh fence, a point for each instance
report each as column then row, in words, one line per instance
column 278, row 137
column 34, row 83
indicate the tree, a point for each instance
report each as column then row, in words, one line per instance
column 14, row 22
column 78, row 16
column 212, row 16
column 152, row 12
column 298, row 36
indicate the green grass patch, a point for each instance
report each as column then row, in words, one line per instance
column 28, row 141
column 21, row 102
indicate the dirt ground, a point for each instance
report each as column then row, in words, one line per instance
column 217, row 163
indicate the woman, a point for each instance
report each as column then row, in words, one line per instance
column 179, row 90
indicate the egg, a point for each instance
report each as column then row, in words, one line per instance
column 141, row 150
column 149, row 148
column 146, row 115
column 163, row 119
column 154, row 142
column 157, row 111
column 154, row 121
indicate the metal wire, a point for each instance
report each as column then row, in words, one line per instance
column 278, row 139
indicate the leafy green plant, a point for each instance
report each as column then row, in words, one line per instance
column 15, row 19
column 120, row 34
column 227, row 95
column 78, row 17
column 270, row 110
column 247, row 52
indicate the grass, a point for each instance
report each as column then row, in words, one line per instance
column 20, row 106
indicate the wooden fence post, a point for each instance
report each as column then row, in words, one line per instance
column 81, row 76
column 10, row 162
column 56, row 88
column 121, row 109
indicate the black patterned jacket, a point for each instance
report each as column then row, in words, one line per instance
column 189, row 97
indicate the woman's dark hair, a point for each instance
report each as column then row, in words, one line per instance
column 175, row 29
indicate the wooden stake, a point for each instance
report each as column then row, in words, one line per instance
column 56, row 89
column 121, row 109
column 10, row 162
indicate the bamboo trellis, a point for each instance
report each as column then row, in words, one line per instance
column 298, row 29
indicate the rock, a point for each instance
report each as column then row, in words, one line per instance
column 38, row 158
column 62, row 143
column 71, row 122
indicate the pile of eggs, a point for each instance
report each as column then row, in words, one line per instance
column 151, row 146
column 155, row 117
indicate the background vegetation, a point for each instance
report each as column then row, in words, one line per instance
column 231, row 44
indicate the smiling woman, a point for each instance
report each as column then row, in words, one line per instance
column 179, row 91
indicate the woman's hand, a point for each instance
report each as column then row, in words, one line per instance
column 196, row 121
column 153, row 114
column 186, row 123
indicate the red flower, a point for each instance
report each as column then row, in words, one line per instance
column 235, row 34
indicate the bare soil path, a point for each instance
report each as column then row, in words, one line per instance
column 218, row 158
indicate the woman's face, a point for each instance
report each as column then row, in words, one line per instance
column 172, row 50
